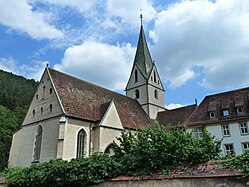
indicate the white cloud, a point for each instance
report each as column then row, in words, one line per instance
column 30, row 72
column 173, row 106
column 20, row 16
column 211, row 35
column 82, row 6
column 103, row 64
column 128, row 11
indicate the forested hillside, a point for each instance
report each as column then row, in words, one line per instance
column 16, row 93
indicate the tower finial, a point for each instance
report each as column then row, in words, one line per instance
column 141, row 17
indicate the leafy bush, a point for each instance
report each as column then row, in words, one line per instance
column 239, row 162
column 160, row 149
column 141, row 153
column 78, row 172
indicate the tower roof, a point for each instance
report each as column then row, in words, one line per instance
column 142, row 58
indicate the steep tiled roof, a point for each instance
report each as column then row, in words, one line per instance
column 142, row 58
column 87, row 101
column 216, row 103
column 175, row 116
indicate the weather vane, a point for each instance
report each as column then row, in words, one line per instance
column 141, row 16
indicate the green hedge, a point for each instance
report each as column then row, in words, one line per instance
column 140, row 153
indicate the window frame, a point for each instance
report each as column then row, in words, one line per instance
column 243, row 147
column 81, row 140
column 198, row 132
column 136, row 76
column 156, row 93
column 229, row 151
column 245, row 127
column 225, row 112
column 211, row 116
column 240, row 112
column 38, row 144
column 224, row 131
column 137, row 94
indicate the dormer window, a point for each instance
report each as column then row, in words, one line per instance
column 137, row 94
column 239, row 110
column 225, row 112
column 136, row 76
column 211, row 114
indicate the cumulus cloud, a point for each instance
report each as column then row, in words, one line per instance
column 103, row 64
column 173, row 106
column 20, row 16
column 210, row 35
column 31, row 72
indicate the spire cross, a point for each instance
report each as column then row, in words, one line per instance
column 141, row 17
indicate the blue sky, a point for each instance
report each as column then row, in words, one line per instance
column 200, row 47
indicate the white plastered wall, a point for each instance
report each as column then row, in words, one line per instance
column 22, row 148
column 72, row 128
column 235, row 137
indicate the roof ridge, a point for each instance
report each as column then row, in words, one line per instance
column 227, row 92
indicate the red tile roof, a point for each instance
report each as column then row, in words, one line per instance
column 83, row 100
column 216, row 103
column 175, row 116
column 210, row 169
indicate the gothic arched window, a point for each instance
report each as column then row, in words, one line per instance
column 80, row 143
column 156, row 94
column 38, row 143
column 137, row 94
column 136, row 76
column 110, row 150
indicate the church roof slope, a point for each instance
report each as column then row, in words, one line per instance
column 87, row 101
column 175, row 116
column 143, row 58
column 228, row 102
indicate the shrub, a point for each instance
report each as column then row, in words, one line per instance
column 160, row 149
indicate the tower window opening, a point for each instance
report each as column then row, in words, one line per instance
column 156, row 94
column 154, row 76
column 136, row 76
column 137, row 94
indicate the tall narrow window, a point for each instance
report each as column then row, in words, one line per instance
column 50, row 90
column 244, row 128
column 41, row 110
column 137, row 94
column 136, row 76
column 80, row 143
column 38, row 143
column 225, row 130
column 33, row 113
column 155, row 76
column 43, row 92
column 156, row 94
column 229, row 148
column 50, row 108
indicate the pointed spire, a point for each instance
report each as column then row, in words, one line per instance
column 142, row 58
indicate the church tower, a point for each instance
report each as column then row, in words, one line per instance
column 144, row 83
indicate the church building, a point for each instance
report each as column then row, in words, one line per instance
column 70, row 118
